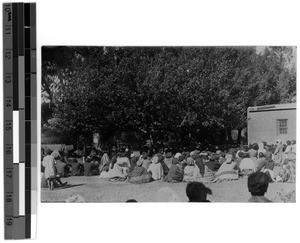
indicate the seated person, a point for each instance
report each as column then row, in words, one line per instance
column 91, row 165
column 168, row 158
column 133, row 161
column 156, row 169
column 145, row 159
column 161, row 160
column 76, row 168
column 261, row 157
column 222, row 158
column 61, row 168
column 293, row 146
column 191, row 171
column 267, row 165
column 199, row 161
column 253, row 150
column 227, row 170
column 119, row 167
column 197, row 192
column 183, row 158
column 139, row 174
column 238, row 159
column 247, row 165
column 258, row 183
column 213, row 164
column 288, row 171
column 288, row 148
column 175, row 173
column 104, row 163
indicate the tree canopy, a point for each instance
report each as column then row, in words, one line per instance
column 168, row 94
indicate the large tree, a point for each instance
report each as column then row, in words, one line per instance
column 179, row 94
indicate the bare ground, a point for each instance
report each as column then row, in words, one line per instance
column 94, row 189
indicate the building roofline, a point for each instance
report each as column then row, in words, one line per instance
column 273, row 107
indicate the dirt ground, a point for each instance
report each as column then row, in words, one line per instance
column 94, row 189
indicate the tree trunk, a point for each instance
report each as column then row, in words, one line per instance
column 239, row 139
column 230, row 140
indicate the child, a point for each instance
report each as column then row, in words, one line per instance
column 197, row 192
column 50, row 170
column 258, row 183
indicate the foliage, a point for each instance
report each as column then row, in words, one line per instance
column 173, row 94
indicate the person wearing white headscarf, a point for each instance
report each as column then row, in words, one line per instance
column 56, row 154
column 191, row 171
column 177, row 155
column 261, row 149
column 156, row 168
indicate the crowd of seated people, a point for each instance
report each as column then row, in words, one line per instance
column 176, row 165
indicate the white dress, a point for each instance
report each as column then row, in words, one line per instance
column 49, row 164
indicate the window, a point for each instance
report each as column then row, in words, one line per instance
column 282, row 126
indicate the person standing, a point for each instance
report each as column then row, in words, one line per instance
column 50, row 170
column 278, row 154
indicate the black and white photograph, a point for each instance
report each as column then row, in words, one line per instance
column 168, row 124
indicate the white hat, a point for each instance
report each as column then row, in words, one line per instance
column 177, row 155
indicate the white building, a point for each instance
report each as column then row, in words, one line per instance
column 271, row 122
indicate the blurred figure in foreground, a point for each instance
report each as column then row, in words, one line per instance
column 258, row 183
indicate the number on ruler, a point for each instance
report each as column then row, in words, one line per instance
column 9, row 173
column 8, row 102
column 8, row 78
column 7, row 54
column 8, row 126
column 8, row 221
column 7, row 8
column 8, row 197
column 8, row 150
column 7, row 30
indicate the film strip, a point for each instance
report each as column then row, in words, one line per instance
column 20, row 120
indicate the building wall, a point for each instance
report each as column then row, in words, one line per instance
column 262, row 126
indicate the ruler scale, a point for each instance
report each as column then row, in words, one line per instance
column 8, row 119
column 20, row 155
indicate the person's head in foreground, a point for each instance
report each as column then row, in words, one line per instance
column 75, row 199
column 258, row 183
column 197, row 192
column 131, row 200
column 167, row 194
